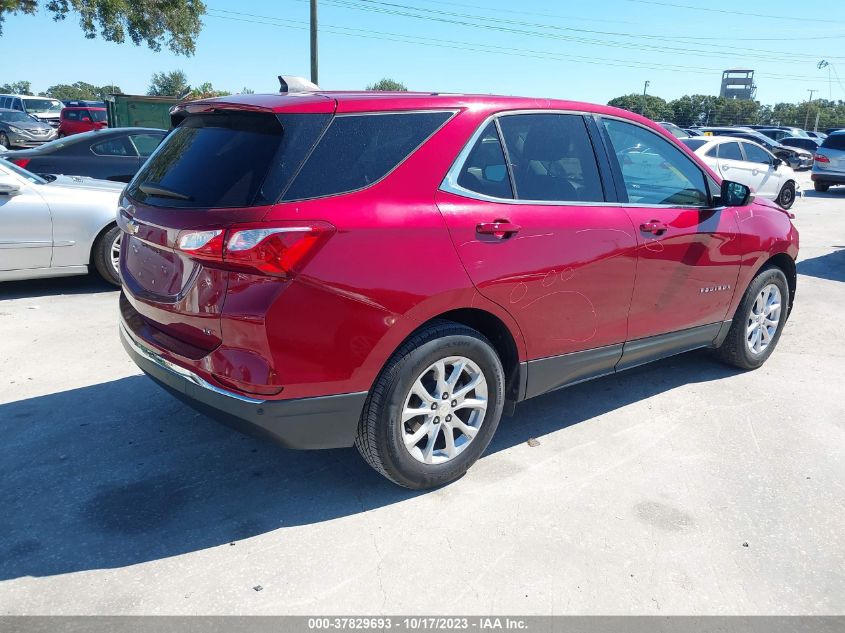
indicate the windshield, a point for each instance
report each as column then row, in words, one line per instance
column 23, row 173
column 42, row 106
column 14, row 116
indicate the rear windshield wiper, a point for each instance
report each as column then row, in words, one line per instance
column 152, row 189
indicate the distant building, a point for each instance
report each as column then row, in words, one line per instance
column 738, row 83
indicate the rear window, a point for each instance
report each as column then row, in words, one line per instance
column 358, row 150
column 694, row 143
column 228, row 159
column 834, row 141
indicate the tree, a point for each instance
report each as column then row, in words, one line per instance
column 692, row 109
column 206, row 91
column 16, row 87
column 388, row 85
column 652, row 107
column 172, row 84
column 175, row 23
column 81, row 91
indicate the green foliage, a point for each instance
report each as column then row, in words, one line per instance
column 692, row 110
column 176, row 23
column 653, row 107
column 247, row 91
column 172, row 84
column 81, row 91
column 16, row 87
column 206, row 91
column 388, row 85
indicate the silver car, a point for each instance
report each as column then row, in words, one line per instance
column 57, row 225
column 829, row 165
column 18, row 129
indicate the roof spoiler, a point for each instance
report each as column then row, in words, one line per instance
column 294, row 83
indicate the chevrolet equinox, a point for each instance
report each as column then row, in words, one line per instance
column 396, row 270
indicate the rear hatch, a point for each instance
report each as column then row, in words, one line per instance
column 224, row 165
column 830, row 156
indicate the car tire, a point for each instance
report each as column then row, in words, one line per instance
column 4, row 140
column 386, row 432
column 752, row 338
column 820, row 187
column 786, row 197
column 103, row 254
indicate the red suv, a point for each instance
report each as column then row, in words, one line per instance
column 76, row 120
column 396, row 270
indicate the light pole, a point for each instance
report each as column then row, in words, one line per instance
column 809, row 105
column 314, row 42
column 645, row 88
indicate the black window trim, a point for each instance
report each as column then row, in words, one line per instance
column 450, row 181
column 451, row 111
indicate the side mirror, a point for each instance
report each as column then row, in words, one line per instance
column 9, row 187
column 734, row 194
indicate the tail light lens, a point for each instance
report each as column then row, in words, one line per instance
column 21, row 162
column 821, row 158
column 274, row 249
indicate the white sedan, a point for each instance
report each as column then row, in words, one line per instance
column 57, row 225
column 748, row 163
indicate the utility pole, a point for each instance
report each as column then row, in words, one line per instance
column 314, row 42
column 645, row 88
column 809, row 103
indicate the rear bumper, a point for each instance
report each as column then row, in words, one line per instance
column 833, row 178
column 304, row 423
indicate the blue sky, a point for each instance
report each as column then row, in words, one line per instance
column 590, row 51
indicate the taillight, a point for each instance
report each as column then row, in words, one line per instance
column 21, row 162
column 268, row 249
column 821, row 158
column 274, row 250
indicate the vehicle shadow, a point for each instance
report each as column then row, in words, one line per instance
column 121, row 473
column 830, row 266
column 76, row 285
column 833, row 192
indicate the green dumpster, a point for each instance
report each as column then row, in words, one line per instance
column 139, row 111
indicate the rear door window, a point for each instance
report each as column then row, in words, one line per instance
column 485, row 170
column 551, row 158
column 228, row 159
column 119, row 146
column 359, row 150
column 730, row 151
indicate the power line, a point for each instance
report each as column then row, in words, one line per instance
column 484, row 48
column 767, row 16
column 461, row 20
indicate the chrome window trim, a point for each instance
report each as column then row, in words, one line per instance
column 175, row 369
column 450, row 181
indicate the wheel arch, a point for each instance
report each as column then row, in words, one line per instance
column 787, row 265
column 105, row 228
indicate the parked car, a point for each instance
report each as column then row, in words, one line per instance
column 83, row 103
column 783, row 132
column 796, row 158
column 829, row 165
column 673, row 129
column 108, row 154
column 57, row 225
column 820, row 136
column 336, row 268
column 22, row 130
column 43, row 108
column 747, row 162
column 75, row 120
column 831, row 130
column 802, row 142
column 691, row 131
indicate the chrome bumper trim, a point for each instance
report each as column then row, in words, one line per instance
column 173, row 368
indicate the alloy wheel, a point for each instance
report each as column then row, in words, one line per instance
column 444, row 410
column 763, row 319
column 114, row 252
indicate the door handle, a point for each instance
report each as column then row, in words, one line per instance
column 499, row 229
column 654, row 226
